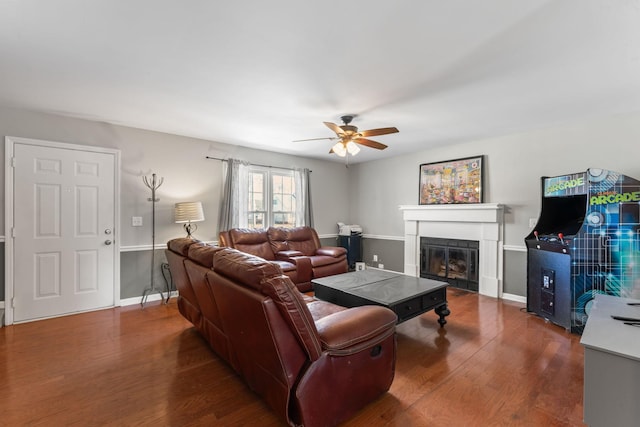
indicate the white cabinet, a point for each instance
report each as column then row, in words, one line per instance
column 611, row 364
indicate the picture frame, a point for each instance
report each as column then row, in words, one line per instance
column 452, row 181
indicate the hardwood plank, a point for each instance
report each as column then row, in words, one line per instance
column 492, row 363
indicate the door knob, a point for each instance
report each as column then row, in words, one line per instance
column 107, row 231
column 107, row 242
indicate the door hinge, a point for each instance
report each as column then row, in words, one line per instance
column 13, row 162
column 13, row 302
column 13, row 232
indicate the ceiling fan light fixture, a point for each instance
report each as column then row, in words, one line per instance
column 352, row 148
column 339, row 149
column 350, row 139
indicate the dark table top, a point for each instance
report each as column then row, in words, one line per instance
column 380, row 286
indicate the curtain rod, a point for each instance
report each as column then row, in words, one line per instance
column 252, row 164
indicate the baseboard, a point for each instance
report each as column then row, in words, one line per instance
column 138, row 300
column 515, row 248
column 368, row 267
column 514, row 297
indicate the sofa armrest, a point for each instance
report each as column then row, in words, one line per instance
column 333, row 251
column 285, row 255
column 355, row 329
column 302, row 263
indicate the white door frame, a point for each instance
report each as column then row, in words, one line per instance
column 10, row 142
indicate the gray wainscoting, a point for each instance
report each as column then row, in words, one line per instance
column 515, row 272
column 390, row 252
column 135, row 274
column 2, row 271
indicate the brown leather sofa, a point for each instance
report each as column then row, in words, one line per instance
column 314, row 363
column 297, row 251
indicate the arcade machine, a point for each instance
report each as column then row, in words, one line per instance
column 586, row 242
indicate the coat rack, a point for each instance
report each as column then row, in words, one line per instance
column 153, row 184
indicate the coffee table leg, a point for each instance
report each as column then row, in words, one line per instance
column 442, row 311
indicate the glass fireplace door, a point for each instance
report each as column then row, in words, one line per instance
column 452, row 260
column 457, row 263
column 437, row 261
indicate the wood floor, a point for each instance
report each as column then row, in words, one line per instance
column 492, row 364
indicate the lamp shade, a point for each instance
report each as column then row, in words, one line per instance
column 352, row 148
column 188, row 212
column 339, row 149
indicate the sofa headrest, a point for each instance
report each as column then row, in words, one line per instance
column 181, row 245
column 241, row 267
column 247, row 236
column 293, row 308
column 299, row 234
column 303, row 239
column 278, row 239
column 203, row 253
column 223, row 239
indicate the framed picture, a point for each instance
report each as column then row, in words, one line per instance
column 453, row 181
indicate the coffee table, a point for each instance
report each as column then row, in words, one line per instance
column 407, row 296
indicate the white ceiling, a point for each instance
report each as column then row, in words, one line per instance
column 263, row 73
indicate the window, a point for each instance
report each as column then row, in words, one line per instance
column 271, row 198
column 260, row 196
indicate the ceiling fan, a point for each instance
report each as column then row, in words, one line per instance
column 349, row 136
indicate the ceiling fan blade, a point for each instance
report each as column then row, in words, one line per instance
column 314, row 139
column 334, row 127
column 380, row 131
column 369, row 143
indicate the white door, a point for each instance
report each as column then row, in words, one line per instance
column 64, row 217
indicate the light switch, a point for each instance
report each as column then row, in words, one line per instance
column 136, row 221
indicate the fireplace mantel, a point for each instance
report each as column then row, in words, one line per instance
column 480, row 221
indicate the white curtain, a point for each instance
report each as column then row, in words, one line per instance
column 304, row 209
column 234, row 205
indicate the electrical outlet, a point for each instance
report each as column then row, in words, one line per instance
column 136, row 221
column 375, row 258
column 381, row 266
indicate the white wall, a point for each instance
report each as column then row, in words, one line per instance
column 513, row 168
column 188, row 175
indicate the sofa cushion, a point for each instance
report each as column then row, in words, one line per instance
column 252, row 241
column 248, row 270
column 278, row 239
column 302, row 239
column 181, row 245
column 203, row 253
column 320, row 309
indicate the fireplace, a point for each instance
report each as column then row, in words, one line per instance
column 453, row 261
column 481, row 222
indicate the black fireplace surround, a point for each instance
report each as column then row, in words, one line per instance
column 450, row 260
